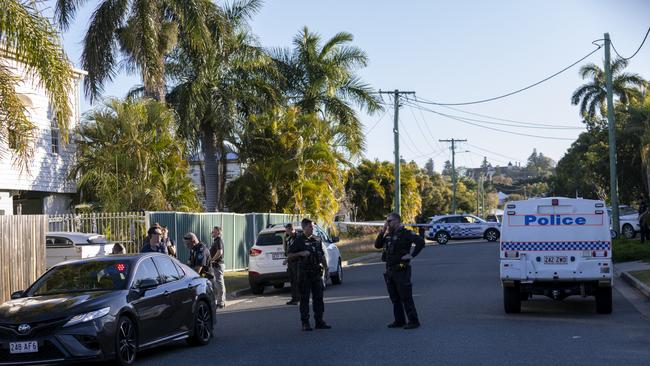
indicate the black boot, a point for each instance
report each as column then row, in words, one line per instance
column 306, row 327
column 395, row 325
column 322, row 325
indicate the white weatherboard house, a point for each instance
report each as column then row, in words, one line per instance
column 44, row 187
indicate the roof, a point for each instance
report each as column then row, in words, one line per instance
column 76, row 237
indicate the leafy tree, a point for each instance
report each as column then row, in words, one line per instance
column 429, row 167
column 29, row 38
column 218, row 88
column 130, row 159
column 447, row 169
column 592, row 95
column 371, row 185
column 144, row 32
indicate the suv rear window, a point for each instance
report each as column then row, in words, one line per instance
column 270, row 239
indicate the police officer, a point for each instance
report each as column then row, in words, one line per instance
column 396, row 242
column 308, row 249
column 199, row 256
column 154, row 244
column 218, row 266
column 292, row 266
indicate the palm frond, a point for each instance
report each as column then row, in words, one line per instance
column 65, row 10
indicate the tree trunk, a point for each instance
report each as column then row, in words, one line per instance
column 209, row 147
column 223, row 158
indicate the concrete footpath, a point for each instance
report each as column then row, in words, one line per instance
column 623, row 270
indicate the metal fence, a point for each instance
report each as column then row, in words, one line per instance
column 22, row 252
column 239, row 231
column 127, row 228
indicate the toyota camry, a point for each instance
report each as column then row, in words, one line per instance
column 106, row 308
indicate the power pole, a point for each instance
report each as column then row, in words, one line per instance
column 453, row 170
column 397, row 207
column 613, row 183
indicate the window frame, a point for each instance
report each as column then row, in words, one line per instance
column 163, row 278
column 137, row 268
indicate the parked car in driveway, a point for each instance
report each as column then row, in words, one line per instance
column 461, row 226
column 106, row 308
column 62, row 246
column 266, row 257
column 628, row 219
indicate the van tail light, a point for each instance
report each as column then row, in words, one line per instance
column 253, row 252
column 599, row 253
column 512, row 254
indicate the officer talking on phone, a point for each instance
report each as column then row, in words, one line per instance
column 396, row 243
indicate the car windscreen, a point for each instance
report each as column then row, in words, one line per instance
column 267, row 239
column 83, row 277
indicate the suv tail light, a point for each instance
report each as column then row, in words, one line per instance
column 254, row 252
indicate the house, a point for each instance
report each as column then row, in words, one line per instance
column 197, row 168
column 42, row 186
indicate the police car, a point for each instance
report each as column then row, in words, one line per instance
column 463, row 226
column 266, row 257
column 556, row 247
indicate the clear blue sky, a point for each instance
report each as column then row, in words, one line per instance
column 456, row 51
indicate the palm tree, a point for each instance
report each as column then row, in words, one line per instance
column 28, row 37
column 145, row 31
column 591, row 96
column 216, row 89
column 130, row 159
column 321, row 79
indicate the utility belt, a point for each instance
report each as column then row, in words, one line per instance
column 393, row 259
column 311, row 270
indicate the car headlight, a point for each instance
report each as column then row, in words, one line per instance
column 86, row 317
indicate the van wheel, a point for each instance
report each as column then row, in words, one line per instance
column 256, row 288
column 628, row 231
column 604, row 300
column 442, row 238
column 511, row 300
column 492, row 235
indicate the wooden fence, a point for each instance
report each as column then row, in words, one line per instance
column 22, row 252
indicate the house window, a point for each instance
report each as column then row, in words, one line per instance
column 55, row 132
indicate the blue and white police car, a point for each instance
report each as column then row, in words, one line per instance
column 461, row 226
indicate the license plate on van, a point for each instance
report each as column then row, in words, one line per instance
column 555, row 259
column 23, row 347
column 277, row 256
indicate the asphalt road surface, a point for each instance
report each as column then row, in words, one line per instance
column 459, row 300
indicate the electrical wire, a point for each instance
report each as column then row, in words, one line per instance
column 376, row 123
column 515, row 121
column 518, row 90
column 492, row 152
column 637, row 50
column 464, row 120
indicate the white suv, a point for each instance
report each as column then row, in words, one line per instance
column 266, row 256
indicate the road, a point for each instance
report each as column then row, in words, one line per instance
column 459, row 300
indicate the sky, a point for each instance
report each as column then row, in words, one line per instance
column 452, row 52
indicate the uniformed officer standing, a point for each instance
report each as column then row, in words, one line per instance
column 309, row 250
column 199, row 256
column 292, row 266
column 396, row 243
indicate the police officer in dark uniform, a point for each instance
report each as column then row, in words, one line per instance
column 292, row 265
column 199, row 256
column 396, row 242
column 309, row 250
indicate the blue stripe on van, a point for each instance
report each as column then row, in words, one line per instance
column 556, row 246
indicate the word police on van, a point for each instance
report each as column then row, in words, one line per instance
column 556, row 247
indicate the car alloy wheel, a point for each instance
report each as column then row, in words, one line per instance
column 491, row 235
column 203, row 326
column 126, row 341
column 628, row 231
column 442, row 238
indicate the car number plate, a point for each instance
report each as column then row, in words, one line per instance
column 554, row 259
column 23, row 347
column 276, row 256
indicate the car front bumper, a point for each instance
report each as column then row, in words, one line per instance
column 93, row 340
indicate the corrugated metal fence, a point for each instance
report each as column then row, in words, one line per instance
column 239, row 231
column 22, row 252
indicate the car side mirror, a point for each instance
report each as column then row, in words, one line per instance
column 17, row 295
column 335, row 239
column 147, row 283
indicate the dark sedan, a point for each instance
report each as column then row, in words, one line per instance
column 106, row 308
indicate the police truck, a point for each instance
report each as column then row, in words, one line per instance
column 556, row 247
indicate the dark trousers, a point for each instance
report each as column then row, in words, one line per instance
column 292, row 270
column 400, row 291
column 644, row 233
column 311, row 283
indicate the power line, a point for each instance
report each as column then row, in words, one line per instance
column 376, row 123
column 492, row 152
column 514, row 121
column 464, row 120
column 519, row 90
column 637, row 50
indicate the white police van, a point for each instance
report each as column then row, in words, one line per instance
column 556, row 247
column 462, row 226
